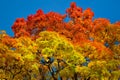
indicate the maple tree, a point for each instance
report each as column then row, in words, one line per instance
column 45, row 47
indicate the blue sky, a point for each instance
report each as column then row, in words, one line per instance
column 12, row 9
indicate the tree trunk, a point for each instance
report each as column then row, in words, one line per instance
column 75, row 76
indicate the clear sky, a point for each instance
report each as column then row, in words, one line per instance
column 12, row 9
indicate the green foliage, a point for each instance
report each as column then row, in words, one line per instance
column 61, row 50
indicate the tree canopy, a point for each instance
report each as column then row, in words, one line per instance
column 46, row 47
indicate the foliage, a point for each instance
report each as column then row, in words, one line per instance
column 58, row 53
column 45, row 47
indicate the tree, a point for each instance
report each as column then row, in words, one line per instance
column 58, row 55
column 45, row 47
column 17, row 58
